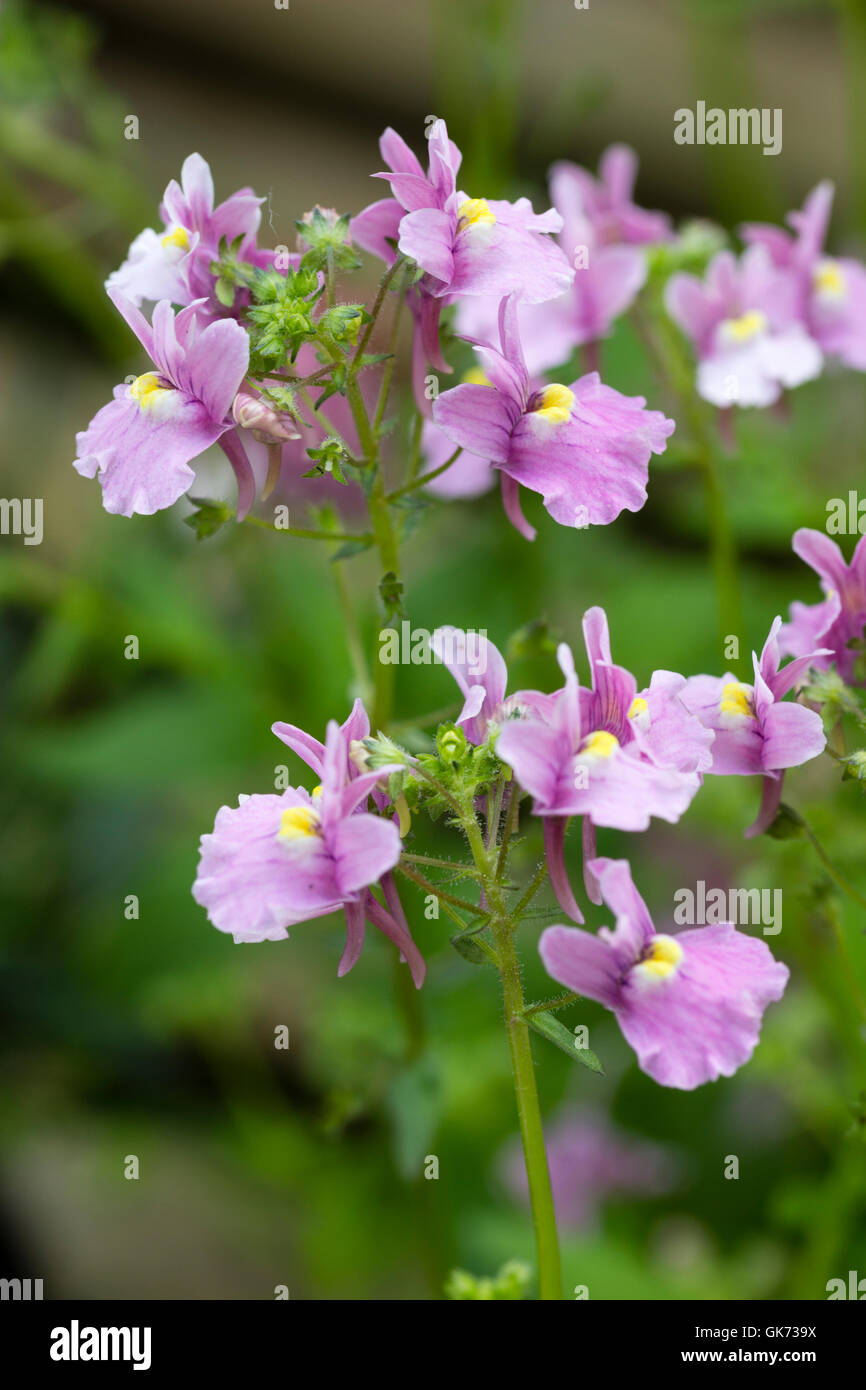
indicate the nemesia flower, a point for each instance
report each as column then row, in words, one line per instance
column 278, row 859
column 832, row 288
column 601, row 236
column 841, row 618
column 591, row 1160
column 754, row 731
column 175, row 264
column 465, row 246
column 608, row 200
column 609, row 754
column 484, row 682
column 690, row 1004
column 141, row 444
column 744, row 323
column 584, row 447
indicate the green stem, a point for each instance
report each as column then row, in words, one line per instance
column 837, row 877
column 504, row 926
column 425, row 477
column 529, row 1114
column 306, row 535
column 439, row 892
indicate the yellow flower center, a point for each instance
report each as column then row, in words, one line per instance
column 476, row 376
column 554, row 404
column 599, row 744
column 737, row 699
column 829, row 280
column 298, row 823
column 475, row 212
column 663, row 956
column 148, row 391
column 746, row 327
column 178, row 238
column 637, row 707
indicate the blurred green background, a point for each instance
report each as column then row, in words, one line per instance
column 155, row 1037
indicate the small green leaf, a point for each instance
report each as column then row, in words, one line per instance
column 558, row 1034
column 788, row 825
column 350, row 548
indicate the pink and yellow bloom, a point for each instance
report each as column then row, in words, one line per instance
column 832, row 289
column 584, row 447
column 276, row 860
column 175, row 264
column 141, row 444
column 745, row 325
column 757, row 732
column 690, row 1005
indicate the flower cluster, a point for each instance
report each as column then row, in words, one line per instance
column 253, row 348
column 287, row 355
column 767, row 321
column 612, row 753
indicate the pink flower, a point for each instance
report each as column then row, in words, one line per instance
column 175, row 264
column 744, row 323
column 832, row 289
column 276, row 860
column 584, row 447
column 690, row 1005
column 141, row 444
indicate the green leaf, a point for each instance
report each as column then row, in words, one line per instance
column 558, row 1034
column 350, row 548
column 788, row 825
column 208, row 517
column 469, row 949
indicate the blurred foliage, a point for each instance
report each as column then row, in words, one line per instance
column 155, row 1035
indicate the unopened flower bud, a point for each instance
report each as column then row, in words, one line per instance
column 268, row 427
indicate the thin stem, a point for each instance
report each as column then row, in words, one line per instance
column 504, row 926
column 385, row 388
column 837, row 877
column 538, row 879
column 425, row 477
column 384, row 283
column 549, row 1005
column 529, row 1114
column 306, row 535
column 422, row 882
column 429, row 862
column 511, row 819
